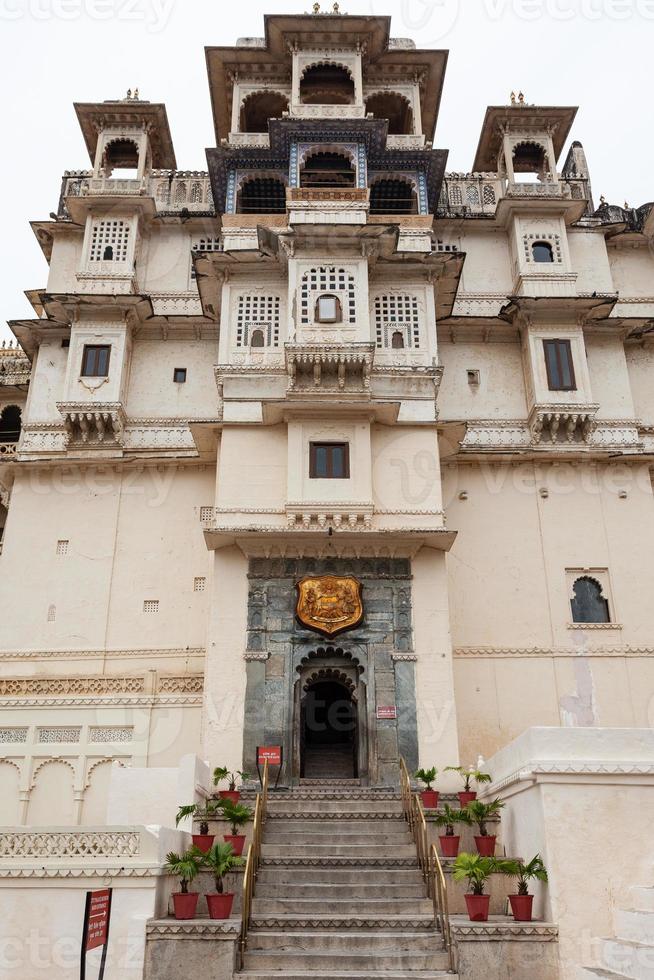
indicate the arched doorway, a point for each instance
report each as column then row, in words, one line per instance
column 329, row 735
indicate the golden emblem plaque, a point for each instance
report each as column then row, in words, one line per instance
column 329, row 604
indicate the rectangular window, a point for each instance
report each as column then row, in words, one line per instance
column 560, row 369
column 179, row 376
column 95, row 361
column 329, row 461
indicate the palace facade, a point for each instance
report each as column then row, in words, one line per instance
column 326, row 447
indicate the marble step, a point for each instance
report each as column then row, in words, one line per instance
column 333, row 849
column 318, row 810
column 324, row 891
column 349, row 975
column 347, row 940
column 341, row 907
column 628, row 958
column 635, row 925
column 343, row 838
column 308, row 963
column 339, row 877
column 339, row 924
column 332, row 823
column 288, row 859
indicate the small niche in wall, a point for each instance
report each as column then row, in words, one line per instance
column 179, row 376
column 473, row 377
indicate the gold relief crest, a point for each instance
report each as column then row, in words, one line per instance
column 329, row 604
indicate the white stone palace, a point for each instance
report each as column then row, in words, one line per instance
column 331, row 449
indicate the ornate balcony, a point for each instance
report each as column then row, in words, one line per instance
column 173, row 191
column 327, row 368
column 97, row 425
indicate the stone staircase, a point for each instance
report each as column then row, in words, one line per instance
column 339, row 895
column 630, row 954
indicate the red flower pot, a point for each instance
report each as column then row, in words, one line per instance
column 449, row 846
column 220, row 906
column 204, row 841
column 230, row 794
column 238, row 843
column 185, row 905
column 521, row 906
column 477, row 906
column 486, row 845
column 465, row 798
column 429, row 799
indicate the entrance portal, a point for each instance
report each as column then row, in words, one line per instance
column 328, row 732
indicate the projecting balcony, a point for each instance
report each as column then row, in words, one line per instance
column 172, row 191
column 93, row 425
column 474, row 195
column 329, row 368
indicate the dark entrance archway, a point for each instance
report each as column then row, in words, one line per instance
column 329, row 735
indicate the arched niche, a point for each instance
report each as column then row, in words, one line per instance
column 327, row 83
column 394, row 107
column 258, row 108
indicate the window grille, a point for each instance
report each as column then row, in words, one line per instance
column 150, row 605
column 258, row 313
column 109, row 241
column 395, row 314
column 62, row 547
column 328, row 279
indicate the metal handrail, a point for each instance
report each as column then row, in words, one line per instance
column 428, row 861
column 253, row 861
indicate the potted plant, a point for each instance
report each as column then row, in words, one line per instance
column 522, row 903
column 237, row 816
column 467, row 795
column 222, row 772
column 448, row 818
column 479, row 813
column 219, row 860
column 428, row 796
column 204, row 839
column 186, row 867
column 476, row 870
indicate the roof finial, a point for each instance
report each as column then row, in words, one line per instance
column 316, row 8
column 512, row 98
column 129, row 94
column 337, row 8
column 521, row 98
column 602, row 199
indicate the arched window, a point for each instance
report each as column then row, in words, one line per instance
column 327, row 85
column 393, row 196
column 328, row 169
column 10, row 424
column 542, row 252
column 395, row 108
column 257, row 339
column 108, row 254
column 589, row 604
column 328, row 309
column 258, row 108
column 397, row 340
column 530, row 159
column 262, row 195
column 122, row 154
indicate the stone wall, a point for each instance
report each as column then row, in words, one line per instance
column 380, row 647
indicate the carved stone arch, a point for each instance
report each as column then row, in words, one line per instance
column 11, row 762
column 394, row 193
column 394, row 106
column 100, row 762
column 330, row 674
column 253, row 118
column 327, row 82
column 530, row 156
column 116, row 153
column 49, row 762
column 326, row 63
column 329, row 652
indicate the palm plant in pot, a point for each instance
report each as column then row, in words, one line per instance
column 522, row 903
column 186, row 867
column 219, row 860
column 476, row 870
column 237, row 815
column 221, row 773
column 448, row 818
column 428, row 795
column 201, row 812
column 480, row 813
column 467, row 795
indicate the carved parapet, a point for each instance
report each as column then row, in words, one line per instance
column 315, row 517
column 329, row 367
column 97, row 424
column 562, row 423
column 8, row 449
column 15, row 368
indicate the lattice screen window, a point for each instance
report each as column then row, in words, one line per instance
column 327, row 279
column 50, row 735
column 397, row 315
column 13, row 734
column 257, row 321
column 210, row 243
column 199, row 583
column 111, row 734
column 206, row 514
column 551, row 239
column 109, row 240
column 150, row 605
column 62, row 547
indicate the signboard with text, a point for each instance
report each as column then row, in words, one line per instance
column 95, row 932
column 387, row 712
column 272, row 754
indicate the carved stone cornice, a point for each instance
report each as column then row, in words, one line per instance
column 93, row 423
column 541, row 932
column 501, row 653
column 153, row 653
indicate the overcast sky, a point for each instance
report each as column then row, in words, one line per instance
column 592, row 53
